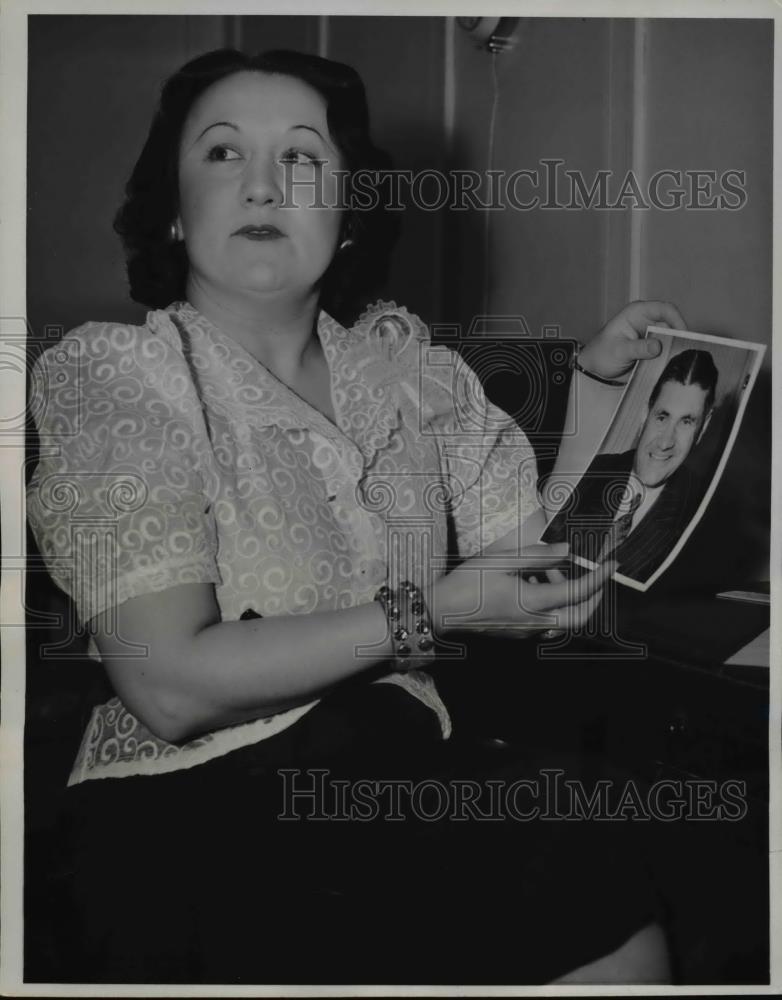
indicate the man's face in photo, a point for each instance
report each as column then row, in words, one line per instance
column 671, row 429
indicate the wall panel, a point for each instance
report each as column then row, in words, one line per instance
column 85, row 129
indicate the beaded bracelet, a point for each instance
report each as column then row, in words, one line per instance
column 410, row 624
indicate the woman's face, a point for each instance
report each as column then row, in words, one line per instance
column 251, row 142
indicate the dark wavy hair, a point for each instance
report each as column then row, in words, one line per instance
column 690, row 367
column 157, row 267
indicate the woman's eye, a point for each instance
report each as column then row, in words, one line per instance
column 222, row 154
column 299, row 156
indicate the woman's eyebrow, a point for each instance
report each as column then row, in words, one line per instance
column 235, row 127
column 215, row 124
column 310, row 128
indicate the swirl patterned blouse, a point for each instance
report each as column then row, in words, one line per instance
column 170, row 455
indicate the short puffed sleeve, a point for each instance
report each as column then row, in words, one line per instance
column 487, row 464
column 117, row 502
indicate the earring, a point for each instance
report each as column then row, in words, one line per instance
column 173, row 233
column 346, row 243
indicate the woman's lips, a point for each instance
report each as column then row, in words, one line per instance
column 260, row 233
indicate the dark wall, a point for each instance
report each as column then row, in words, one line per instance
column 93, row 86
column 552, row 99
column 401, row 62
column 709, row 87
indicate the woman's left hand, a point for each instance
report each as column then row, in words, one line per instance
column 620, row 343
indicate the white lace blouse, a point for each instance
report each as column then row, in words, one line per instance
column 170, row 455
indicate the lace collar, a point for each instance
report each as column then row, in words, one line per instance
column 373, row 367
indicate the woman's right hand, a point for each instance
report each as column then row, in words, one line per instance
column 516, row 594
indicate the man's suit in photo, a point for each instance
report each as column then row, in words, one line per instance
column 589, row 515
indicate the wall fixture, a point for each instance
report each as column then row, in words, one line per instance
column 495, row 34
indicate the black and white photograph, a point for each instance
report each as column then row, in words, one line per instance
column 645, row 489
column 388, row 544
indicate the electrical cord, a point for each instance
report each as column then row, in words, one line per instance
column 490, row 163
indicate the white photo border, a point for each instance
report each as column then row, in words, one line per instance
column 750, row 347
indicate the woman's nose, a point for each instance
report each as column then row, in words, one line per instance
column 261, row 185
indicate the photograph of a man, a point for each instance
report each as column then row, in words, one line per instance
column 635, row 504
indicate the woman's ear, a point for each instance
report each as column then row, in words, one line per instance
column 346, row 234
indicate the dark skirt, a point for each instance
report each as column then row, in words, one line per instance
column 350, row 848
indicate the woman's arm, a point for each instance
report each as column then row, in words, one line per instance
column 201, row 674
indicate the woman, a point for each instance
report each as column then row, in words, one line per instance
column 241, row 491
